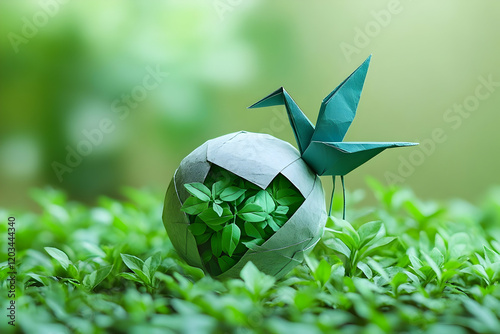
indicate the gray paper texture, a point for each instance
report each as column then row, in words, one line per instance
column 258, row 158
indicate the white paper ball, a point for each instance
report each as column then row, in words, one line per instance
column 257, row 158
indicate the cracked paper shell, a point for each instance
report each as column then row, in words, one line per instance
column 257, row 158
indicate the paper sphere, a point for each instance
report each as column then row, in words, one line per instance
column 259, row 159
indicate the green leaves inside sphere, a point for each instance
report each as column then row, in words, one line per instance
column 230, row 238
column 231, row 194
column 252, row 213
column 199, row 190
column 229, row 215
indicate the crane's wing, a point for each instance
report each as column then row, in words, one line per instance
column 334, row 158
column 339, row 107
column 301, row 125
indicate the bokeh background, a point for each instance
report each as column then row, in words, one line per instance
column 67, row 65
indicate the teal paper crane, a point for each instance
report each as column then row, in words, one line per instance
column 322, row 147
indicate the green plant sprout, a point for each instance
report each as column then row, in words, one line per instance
column 321, row 147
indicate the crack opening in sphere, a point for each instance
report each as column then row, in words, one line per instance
column 233, row 215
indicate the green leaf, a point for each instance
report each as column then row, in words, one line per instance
column 206, row 256
column 199, row 190
column 370, row 248
column 491, row 255
column 194, row 206
column 218, row 209
column 202, row 238
column 131, row 277
column 73, row 271
column 261, row 225
column 240, row 249
column 232, row 194
column 225, row 263
column 252, row 213
column 216, row 244
column 230, row 238
column 348, row 234
column 338, row 246
column 152, row 264
column 281, row 210
column 256, row 282
column 132, row 262
column 250, row 200
column 137, row 266
column 398, row 279
column 93, row 249
column 287, row 197
column 369, row 230
column 484, row 315
column 280, row 219
column 346, row 238
column 60, row 256
column 286, row 192
column 197, row 228
column 482, row 261
column 283, row 182
column 226, row 177
column 93, row 279
column 253, row 243
column 305, row 299
column 240, row 200
column 251, row 230
column 480, row 271
column 435, row 267
column 40, row 279
column 211, row 217
column 218, row 187
column 365, row 269
column 323, row 272
column 272, row 224
column 378, row 268
column 265, row 201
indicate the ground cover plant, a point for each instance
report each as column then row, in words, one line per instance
column 405, row 265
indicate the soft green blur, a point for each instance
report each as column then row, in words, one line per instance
column 76, row 61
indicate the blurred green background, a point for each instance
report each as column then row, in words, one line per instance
column 65, row 66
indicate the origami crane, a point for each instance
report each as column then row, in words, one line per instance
column 321, row 147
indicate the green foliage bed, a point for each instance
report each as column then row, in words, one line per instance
column 423, row 267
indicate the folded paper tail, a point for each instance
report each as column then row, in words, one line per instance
column 302, row 127
column 339, row 158
column 338, row 109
